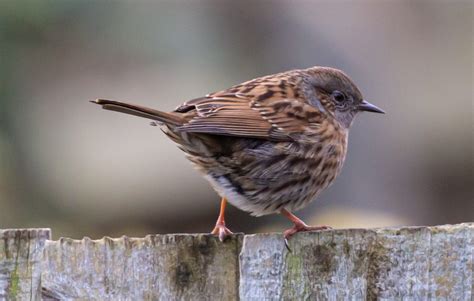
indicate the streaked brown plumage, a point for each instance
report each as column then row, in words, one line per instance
column 268, row 145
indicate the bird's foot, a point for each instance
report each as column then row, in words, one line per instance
column 221, row 231
column 301, row 227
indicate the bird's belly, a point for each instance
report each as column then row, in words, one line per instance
column 290, row 183
column 262, row 177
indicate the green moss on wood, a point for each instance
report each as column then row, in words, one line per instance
column 14, row 283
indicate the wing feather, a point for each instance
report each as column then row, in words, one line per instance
column 235, row 114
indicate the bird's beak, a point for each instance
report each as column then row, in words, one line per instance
column 368, row 107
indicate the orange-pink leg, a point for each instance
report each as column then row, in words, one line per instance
column 298, row 225
column 220, row 228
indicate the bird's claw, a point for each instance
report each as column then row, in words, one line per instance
column 301, row 228
column 222, row 232
column 287, row 245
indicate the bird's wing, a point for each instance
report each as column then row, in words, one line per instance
column 262, row 115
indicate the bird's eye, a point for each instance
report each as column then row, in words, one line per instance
column 338, row 96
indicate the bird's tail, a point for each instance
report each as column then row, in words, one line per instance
column 127, row 108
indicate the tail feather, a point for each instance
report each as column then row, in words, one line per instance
column 127, row 108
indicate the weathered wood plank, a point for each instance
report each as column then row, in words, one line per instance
column 20, row 255
column 415, row 263
column 328, row 265
column 157, row 267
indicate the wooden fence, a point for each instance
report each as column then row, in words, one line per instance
column 416, row 263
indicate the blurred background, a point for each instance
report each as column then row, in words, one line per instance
column 82, row 171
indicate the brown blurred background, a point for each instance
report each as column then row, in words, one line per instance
column 68, row 165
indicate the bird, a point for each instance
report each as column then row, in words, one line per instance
column 269, row 145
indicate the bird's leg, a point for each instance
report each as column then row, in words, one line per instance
column 220, row 228
column 298, row 225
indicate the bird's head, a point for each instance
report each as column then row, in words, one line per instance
column 333, row 91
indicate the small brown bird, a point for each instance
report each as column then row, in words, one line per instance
column 268, row 145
